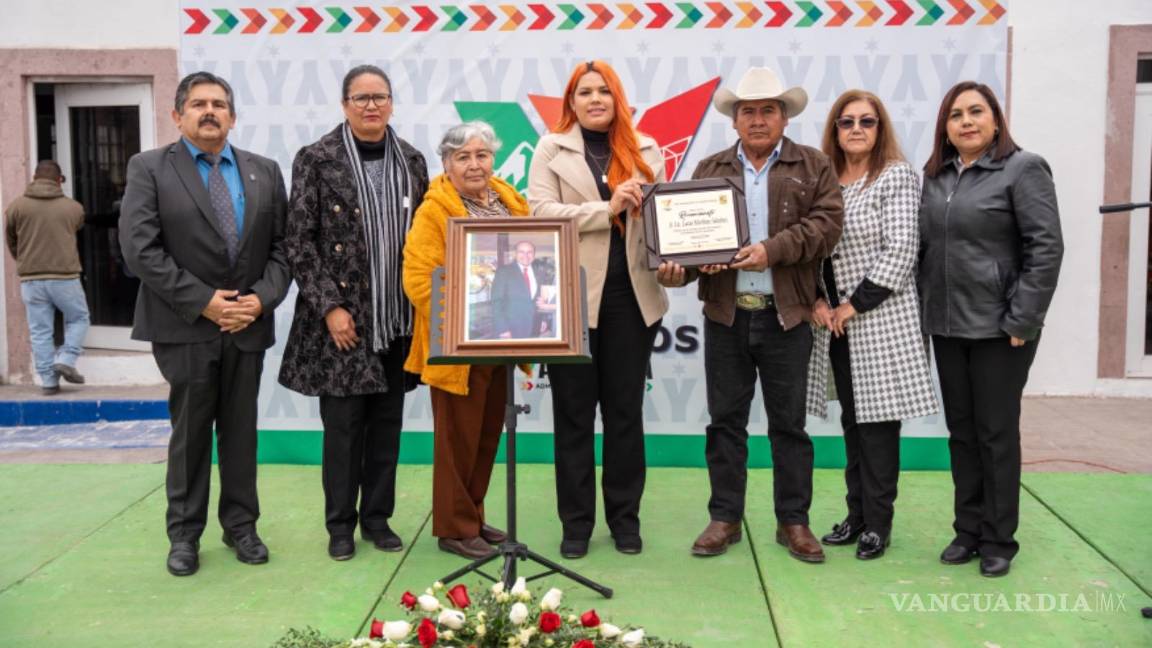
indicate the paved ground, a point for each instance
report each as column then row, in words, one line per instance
column 1060, row 434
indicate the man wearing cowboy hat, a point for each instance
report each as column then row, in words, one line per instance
column 756, row 309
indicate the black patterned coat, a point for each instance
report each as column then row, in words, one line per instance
column 329, row 261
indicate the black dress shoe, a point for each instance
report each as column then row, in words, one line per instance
column 628, row 543
column 383, row 539
column 183, row 558
column 844, row 533
column 871, row 545
column 250, row 549
column 341, row 547
column 574, row 548
column 955, row 554
column 993, row 566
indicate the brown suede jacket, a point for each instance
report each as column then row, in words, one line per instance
column 806, row 213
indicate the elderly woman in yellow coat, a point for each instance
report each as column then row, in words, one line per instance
column 467, row 401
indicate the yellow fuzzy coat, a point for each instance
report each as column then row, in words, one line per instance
column 424, row 252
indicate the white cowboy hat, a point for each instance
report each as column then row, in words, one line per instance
column 761, row 83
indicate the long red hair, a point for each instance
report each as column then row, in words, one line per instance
column 623, row 140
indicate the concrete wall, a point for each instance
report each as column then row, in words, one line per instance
column 1058, row 93
column 1058, row 109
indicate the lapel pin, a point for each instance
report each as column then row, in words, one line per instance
column 252, row 177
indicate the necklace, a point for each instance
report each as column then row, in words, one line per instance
column 601, row 165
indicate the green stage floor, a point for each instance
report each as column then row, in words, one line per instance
column 82, row 553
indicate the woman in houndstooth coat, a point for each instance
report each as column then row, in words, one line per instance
column 868, row 325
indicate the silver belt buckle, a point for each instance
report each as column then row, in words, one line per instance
column 751, row 301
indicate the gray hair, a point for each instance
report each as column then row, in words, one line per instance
column 199, row 78
column 458, row 136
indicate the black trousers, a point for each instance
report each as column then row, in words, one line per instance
column 757, row 343
column 361, row 448
column 211, row 384
column 982, row 382
column 873, row 452
column 621, row 346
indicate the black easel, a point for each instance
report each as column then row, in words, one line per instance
column 511, row 550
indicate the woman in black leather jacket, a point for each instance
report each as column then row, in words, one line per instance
column 990, row 251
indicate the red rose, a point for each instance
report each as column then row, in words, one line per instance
column 408, row 600
column 459, row 597
column 549, row 622
column 589, row 619
column 426, row 633
column 377, row 631
column 584, row 643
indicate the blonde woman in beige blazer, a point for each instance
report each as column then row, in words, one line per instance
column 590, row 169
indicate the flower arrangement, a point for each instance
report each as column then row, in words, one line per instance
column 448, row 618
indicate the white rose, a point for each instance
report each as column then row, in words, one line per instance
column 481, row 630
column 453, row 619
column 396, row 630
column 498, row 588
column 428, row 603
column 608, row 631
column 525, row 635
column 518, row 614
column 447, row 635
column 437, row 585
column 520, row 587
column 634, row 638
column 552, row 599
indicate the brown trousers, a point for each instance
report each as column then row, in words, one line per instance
column 467, row 432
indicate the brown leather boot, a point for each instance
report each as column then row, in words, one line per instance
column 467, row 547
column 716, row 537
column 800, row 542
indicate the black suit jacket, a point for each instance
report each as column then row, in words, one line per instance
column 172, row 242
column 513, row 308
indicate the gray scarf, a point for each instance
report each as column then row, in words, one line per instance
column 387, row 212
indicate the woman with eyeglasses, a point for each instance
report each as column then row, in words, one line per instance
column 867, row 324
column 590, row 168
column 353, row 195
column 990, row 254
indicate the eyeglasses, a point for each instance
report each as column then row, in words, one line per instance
column 848, row 123
column 361, row 100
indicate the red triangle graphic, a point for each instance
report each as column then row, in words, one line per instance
column 549, row 109
column 673, row 123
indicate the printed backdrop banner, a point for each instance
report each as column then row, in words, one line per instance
column 508, row 63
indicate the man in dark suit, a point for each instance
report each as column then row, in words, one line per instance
column 515, row 289
column 202, row 226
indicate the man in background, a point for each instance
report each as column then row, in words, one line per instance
column 41, row 235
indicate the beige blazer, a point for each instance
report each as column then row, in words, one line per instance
column 560, row 185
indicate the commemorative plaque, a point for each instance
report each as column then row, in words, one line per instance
column 695, row 222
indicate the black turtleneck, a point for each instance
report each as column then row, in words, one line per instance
column 596, row 155
column 370, row 151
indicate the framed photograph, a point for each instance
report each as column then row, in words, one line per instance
column 512, row 291
column 695, row 222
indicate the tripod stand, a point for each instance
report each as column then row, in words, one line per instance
column 511, row 550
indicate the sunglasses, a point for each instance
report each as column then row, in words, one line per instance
column 848, row 123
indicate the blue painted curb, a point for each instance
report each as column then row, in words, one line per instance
column 45, row 412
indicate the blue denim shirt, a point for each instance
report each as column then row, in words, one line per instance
column 756, row 198
column 231, row 174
